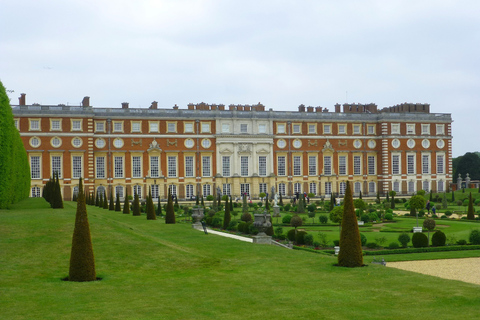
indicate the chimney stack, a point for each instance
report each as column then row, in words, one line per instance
column 154, row 105
column 22, row 99
column 86, row 102
column 124, row 105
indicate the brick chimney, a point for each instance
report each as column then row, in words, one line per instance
column 22, row 99
column 86, row 102
column 301, row 108
column 124, row 105
column 154, row 105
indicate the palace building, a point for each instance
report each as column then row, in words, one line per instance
column 241, row 149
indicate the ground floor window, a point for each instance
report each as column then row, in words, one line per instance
column 281, row 189
column 119, row 191
column 426, row 186
column 371, row 187
column 206, row 190
column 36, row 192
column 245, row 189
column 328, row 188
column 137, row 190
column 343, row 187
column 313, row 188
column 154, row 188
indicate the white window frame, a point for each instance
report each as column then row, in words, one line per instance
column 357, row 165
column 189, row 167
column 282, row 166
column 342, row 165
column 262, row 166
column 136, row 167
column 100, row 167
column 206, row 166
column 118, row 171
column 226, row 166
column 172, row 166
column 312, row 165
column 327, row 165
column 297, row 165
column 244, row 162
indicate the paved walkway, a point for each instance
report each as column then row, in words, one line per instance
column 228, row 235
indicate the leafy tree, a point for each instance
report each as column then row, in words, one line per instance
column 360, row 204
column 311, row 211
column 350, row 254
column 170, row 212
column 323, row 219
column 82, row 261
column 336, row 214
column 117, row 204
column 126, row 203
column 417, row 202
column 468, row 163
column 392, row 203
column 226, row 217
column 150, row 208
column 471, row 211
column 429, row 224
column 404, row 239
column 136, row 205
column 296, row 222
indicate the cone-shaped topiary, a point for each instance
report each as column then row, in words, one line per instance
column 226, row 217
column 57, row 202
column 231, row 204
column 170, row 212
column 97, row 200
column 136, row 205
column 150, row 208
column 111, row 205
column 203, row 203
column 159, row 207
column 126, row 203
column 350, row 254
column 100, row 201
column 82, row 261
column 196, row 200
column 470, row 212
column 117, row 204
column 105, row 201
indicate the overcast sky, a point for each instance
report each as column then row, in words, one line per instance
column 279, row 53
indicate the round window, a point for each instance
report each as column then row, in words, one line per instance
column 411, row 143
column 77, row 142
column 440, row 144
column 425, row 143
column 281, row 143
column 395, row 143
column 297, row 143
column 372, row 144
column 206, row 143
column 35, row 142
column 189, row 143
column 357, row 143
column 56, row 142
column 100, row 143
column 118, row 143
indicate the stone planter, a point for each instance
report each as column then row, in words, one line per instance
column 262, row 223
column 417, row 229
column 337, row 250
column 197, row 216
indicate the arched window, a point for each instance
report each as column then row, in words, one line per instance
column 426, row 186
column 357, row 187
column 343, row 187
column 281, row 189
column 371, row 188
column 313, row 188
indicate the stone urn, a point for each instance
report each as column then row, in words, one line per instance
column 197, row 216
column 262, row 223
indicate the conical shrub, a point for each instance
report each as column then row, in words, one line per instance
column 471, row 211
column 57, row 201
column 170, row 212
column 105, row 200
column 136, row 205
column 117, row 204
column 159, row 207
column 226, row 217
column 150, row 208
column 350, row 254
column 126, row 203
column 111, row 205
column 82, row 261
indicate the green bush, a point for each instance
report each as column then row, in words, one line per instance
column 363, row 239
column 287, row 207
column 393, row 245
column 474, row 237
column 291, row 235
column 308, row 239
column 421, row 213
column 419, row 240
column 209, row 197
column 300, row 237
column 232, row 226
column 404, row 239
column 252, row 229
column 371, row 245
column 462, row 242
column 420, row 250
column 247, row 217
column 323, row 219
column 448, row 213
column 286, row 219
column 373, row 216
column 246, row 229
column 241, row 226
column 365, row 218
column 439, row 239
column 388, row 216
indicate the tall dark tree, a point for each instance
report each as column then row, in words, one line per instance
column 159, row 207
column 471, row 211
column 105, row 200
column 126, row 203
column 150, row 208
column 392, row 202
column 100, row 201
column 111, row 205
column 281, row 200
column 453, row 195
column 196, row 200
column 57, row 201
column 117, row 203
column 231, row 204
column 360, row 195
column 468, row 163
column 203, row 203
column 14, row 163
column 82, row 261
column 170, row 212
column 226, row 217
column 97, row 200
column 136, row 205
column 350, row 254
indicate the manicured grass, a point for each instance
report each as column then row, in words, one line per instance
column 151, row 270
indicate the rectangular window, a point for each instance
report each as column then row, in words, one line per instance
column 136, row 126
column 154, row 189
column 396, row 187
column 136, row 167
column 440, row 164
column 36, row 192
column 312, row 128
column 188, row 127
column 225, row 128
column 154, row 167
column 35, row 167
column 297, row 165
column 173, row 190
column 245, row 188
column 262, row 187
column 280, row 128
column 327, row 129
column 226, row 166
column 328, row 188
column 281, row 166
column 57, row 166
column 172, row 166
column 117, row 126
column 171, row 127
column 296, row 128
column 244, row 128
column 327, row 165
column 118, row 167
column 371, row 165
column 440, row 187
column 297, row 188
column 371, row 187
column 99, row 126
column 76, row 125
column 17, row 125
column 371, row 129
column 189, row 167
column 426, row 186
column 119, row 191
column 34, row 125
column 206, row 172
column 55, row 125
column 410, row 128
column 425, row 129
column 206, row 190
column 189, row 191
column 227, row 189
column 281, row 189
column 440, row 129
column 205, row 127
column 410, row 164
column 244, row 166
column 262, row 166
column 356, row 129
column 357, row 165
column 312, row 188
column 395, row 164
column 312, row 166
column 76, row 167
column 425, row 164
column 342, row 129
column 395, row 128
column 100, row 168
column 262, row 128
column 357, row 187
column 411, row 186
column 153, row 126
column 137, row 190
column 342, row 165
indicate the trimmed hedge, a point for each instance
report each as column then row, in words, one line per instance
column 439, row 239
column 419, row 240
column 421, row 250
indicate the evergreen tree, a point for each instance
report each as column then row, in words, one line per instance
column 388, row 199
column 360, row 195
column 231, row 204
column 281, row 200
column 97, row 200
column 392, row 202
column 136, row 205
column 378, row 196
column 431, row 196
column 159, row 207
column 203, row 203
column 453, row 196
column 176, row 206
column 150, row 208
column 350, row 254
column 444, row 201
column 214, row 205
column 100, row 201
column 244, row 204
column 471, row 211
column 117, row 203
column 57, row 202
column 226, row 217
column 82, row 261
column 111, row 205
column 196, row 200
column 126, row 203
column 105, row 200
column 170, row 212
column 332, row 202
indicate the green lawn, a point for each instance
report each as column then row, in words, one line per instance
column 151, row 270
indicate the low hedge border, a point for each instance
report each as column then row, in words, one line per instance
column 327, row 252
column 420, row 250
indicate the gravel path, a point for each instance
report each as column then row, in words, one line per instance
column 465, row 270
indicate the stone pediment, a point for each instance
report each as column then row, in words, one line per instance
column 225, row 151
column 154, row 146
column 263, row 151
